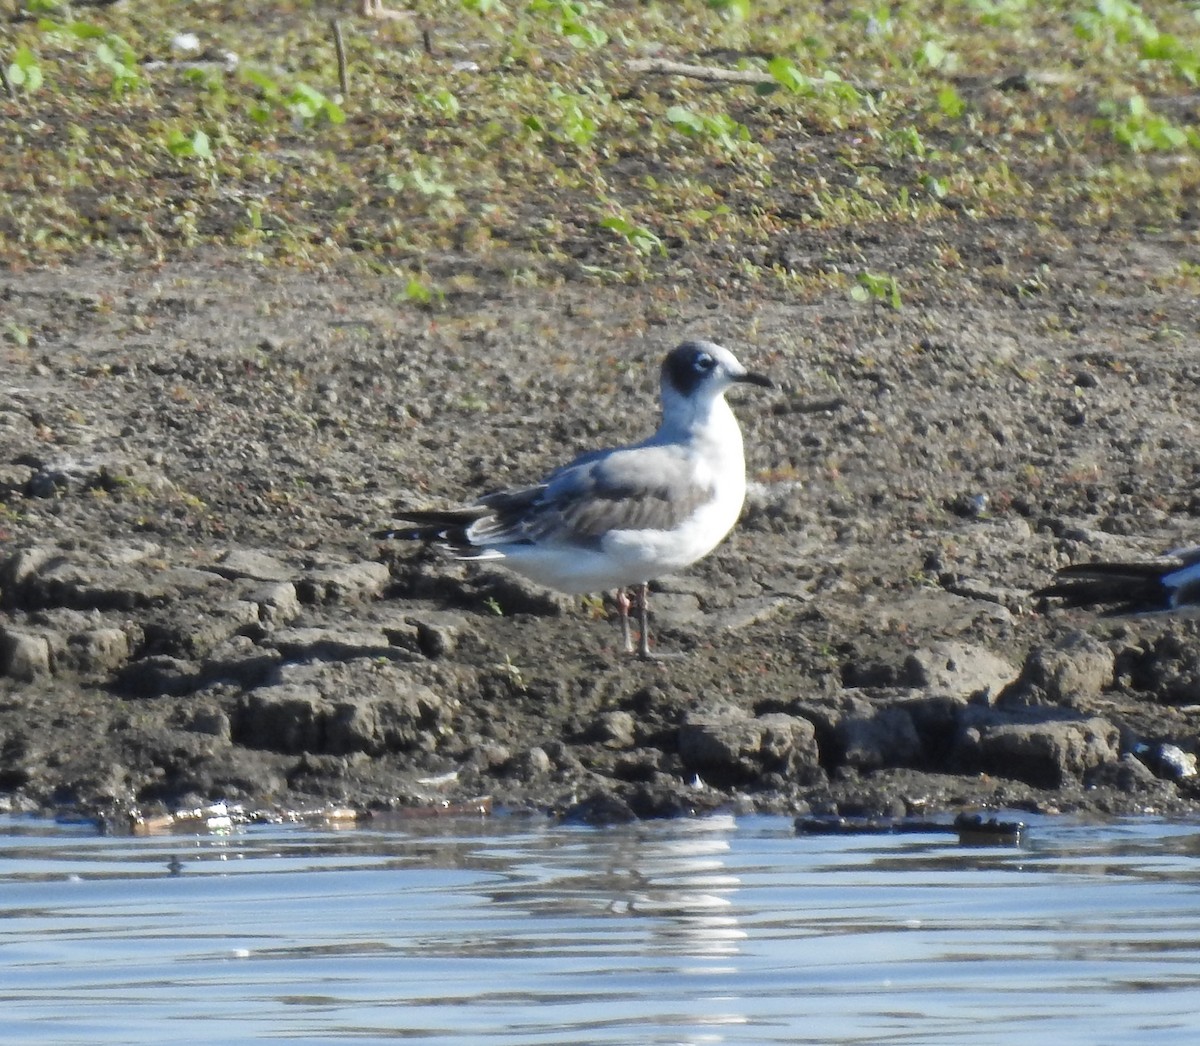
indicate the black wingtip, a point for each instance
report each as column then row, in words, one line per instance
column 403, row 534
column 1115, row 587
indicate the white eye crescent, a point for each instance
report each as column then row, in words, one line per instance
column 704, row 363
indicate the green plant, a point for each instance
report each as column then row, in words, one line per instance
column 877, row 289
column 641, row 239
column 1137, row 127
column 1123, row 24
column 718, row 127
column 950, row 102
column 1006, row 14
column 427, row 179
column 421, row 292
column 732, row 10
column 195, row 145
column 306, row 104
column 24, row 71
column 572, row 18
column 442, row 101
column 16, row 334
column 571, row 121
column 932, row 55
column 118, row 58
column 510, row 671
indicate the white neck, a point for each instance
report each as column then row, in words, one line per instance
column 707, row 421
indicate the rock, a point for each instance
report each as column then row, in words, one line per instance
column 98, row 651
column 18, row 568
column 1170, row 762
column 600, row 808
column 339, row 709
column 675, row 608
column 749, row 612
column 193, row 634
column 437, row 632
column 1073, row 670
column 344, row 583
column 211, row 721
column 327, row 644
column 285, row 718
column 530, row 764
column 958, row 669
column 275, row 603
column 614, row 729
column 881, row 737
column 1047, row 751
column 159, row 675
column 730, row 746
column 70, row 581
column 252, row 564
column 513, row 594
column 47, row 483
column 14, row 481
column 1128, row 775
column 23, row 656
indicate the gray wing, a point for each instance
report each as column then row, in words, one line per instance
column 638, row 488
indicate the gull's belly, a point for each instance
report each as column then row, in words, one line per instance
column 652, row 553
column 628, row 557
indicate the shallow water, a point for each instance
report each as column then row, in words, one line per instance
column 509, row 931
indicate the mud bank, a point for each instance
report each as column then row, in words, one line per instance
column 192, row 609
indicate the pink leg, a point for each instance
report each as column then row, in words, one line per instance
column 644, row 621
column 623, row 605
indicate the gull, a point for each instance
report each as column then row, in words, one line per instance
column 1168, row 583
column 619, row 518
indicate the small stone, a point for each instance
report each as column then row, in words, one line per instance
column 212, row 722
column 23, row 565
column 1044, row 750
column 100, row 650
column 276, row 602
column 23, row 656
column 883, row 737
column 730, row 746
column 346, row 583
column 615, row 729
column 252, row 564
column 958, row 670
column 1076, row 668
column 437, row 634
column 536, row 762
column 327, row 644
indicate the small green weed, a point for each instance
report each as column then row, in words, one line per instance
column 195, row 145
column 641, row 239
column 720, row 128
column 25, row 71
column 1140, row 129
column 878, row 289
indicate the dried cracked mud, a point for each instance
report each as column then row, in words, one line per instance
column 193, row 455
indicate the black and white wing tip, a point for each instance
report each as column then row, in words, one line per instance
column 448, row 526
column 1165, row 584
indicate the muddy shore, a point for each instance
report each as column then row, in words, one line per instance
column 193, row 454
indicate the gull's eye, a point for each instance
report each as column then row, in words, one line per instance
column 704, row 363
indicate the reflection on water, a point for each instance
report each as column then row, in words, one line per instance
column 519, row 931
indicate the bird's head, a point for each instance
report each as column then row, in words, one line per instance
column 703, row 370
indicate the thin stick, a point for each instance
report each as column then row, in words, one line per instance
column 8, row 88
column 719, row 74
column 341, row 57
column 664, row 67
